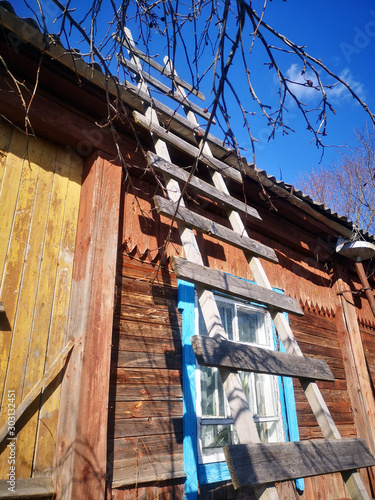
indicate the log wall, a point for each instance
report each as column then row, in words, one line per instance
column 145, row 411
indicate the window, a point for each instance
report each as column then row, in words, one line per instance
column 205, row 464
column 242, row 323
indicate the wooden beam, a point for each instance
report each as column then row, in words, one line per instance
column 81, row 442
column 231, row 285
column 36, row 487
column 127, row 42
column 220, row 352
column 39, row 387
column 260, row 463
column 186, row 147
column 165, row 89
column 207, row 226
column 200, row 186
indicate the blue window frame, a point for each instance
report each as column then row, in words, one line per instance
column 206, row 473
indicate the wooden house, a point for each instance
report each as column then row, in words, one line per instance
column 102, row 396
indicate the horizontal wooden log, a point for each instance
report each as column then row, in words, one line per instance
column 218, row 231
column 250, row 465
column 154, row 64
column 142, row 409
column 146, row 468
column 149, row 426
column 165, row 89
column 187, row 148
column 138, row 392
column 201, row 187
column 219, row 352
column 169, row 360
column 231, row 285
column 40, row 487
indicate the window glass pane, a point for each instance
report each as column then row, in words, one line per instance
column 267, row 431
column 202, row 325
column 208, row 390
column 265, row 395
column 226, row 315
column 251, row 326
column 246, row 378
column 215, row 436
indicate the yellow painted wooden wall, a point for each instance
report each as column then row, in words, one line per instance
column 39, row 198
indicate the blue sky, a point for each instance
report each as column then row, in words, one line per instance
column 340, row 33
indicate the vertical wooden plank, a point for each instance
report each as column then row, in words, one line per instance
column 70, row 170
column 358, row 380
column 82, row 428
column 18, row 297
column 29, row 301
column 9, row 193
column 8, row 200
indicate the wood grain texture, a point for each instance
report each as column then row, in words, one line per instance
column 202, row 187
column 231, row 285
column 206, row 226
column 221, row 352
column 41, row 488
column 187, row 148
column 267, row 463
column 165, row 89
column 81, row 448
column 32, row 266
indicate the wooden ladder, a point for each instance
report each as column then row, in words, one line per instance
column 251, row 462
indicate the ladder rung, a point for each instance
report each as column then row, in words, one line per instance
column 231, row 285
column 187, row 148
column 207, row 226
column 220, row 352
column 165, row 89
column 149, row 60
column 254, row 464
column 201, row 187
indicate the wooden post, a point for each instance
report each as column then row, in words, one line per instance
column 358, row 381
column 81, row 445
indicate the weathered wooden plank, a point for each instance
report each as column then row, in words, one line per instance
column 147, row 377
column 231, row 285
column 44, row 245
column 127, row 42
column 141, row 409
column 81, row 449
column 143, row 392
column 157, row 444
column 11, row 228
column 149, row 426
column 217, row 352
column 167, row 360
column 146, row 468
column 267, row 463
column 206, row 226
column 69, row 167
column 47, row 378
column 164, row 88
column 187, row 148
column 200, row 186
column 38, row 487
